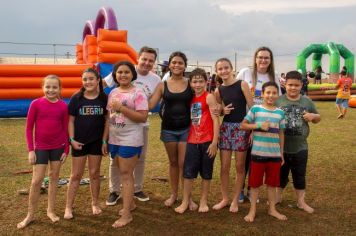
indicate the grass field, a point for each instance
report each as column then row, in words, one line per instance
column 330, row 182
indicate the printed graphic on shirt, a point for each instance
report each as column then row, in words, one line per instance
column 294, row 119
column 145, row 88
column 196, row 113
column 257, row 95
column 117, row 118
column 90, row 110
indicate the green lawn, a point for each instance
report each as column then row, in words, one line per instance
column 330, row 180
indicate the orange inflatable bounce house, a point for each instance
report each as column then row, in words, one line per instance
column 102, row 45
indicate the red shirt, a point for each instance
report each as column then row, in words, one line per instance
column 201, row 125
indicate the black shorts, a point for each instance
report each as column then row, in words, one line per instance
column 92, row 148
column 197, row 161
column 43, row 156
column 297, row 164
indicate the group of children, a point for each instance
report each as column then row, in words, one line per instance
column 89, row 123
column 99, row 125
column 279, row 139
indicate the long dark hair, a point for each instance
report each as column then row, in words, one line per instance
column 102, row 94
column 178, row 54
column 125, row 63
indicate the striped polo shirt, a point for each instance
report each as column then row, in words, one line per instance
column 265, row 146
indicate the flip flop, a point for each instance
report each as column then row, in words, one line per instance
column 23, row 191
column 84, row 181
column 63, row 181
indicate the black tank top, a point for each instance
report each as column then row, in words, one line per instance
column 175, row 109
column 233, row 94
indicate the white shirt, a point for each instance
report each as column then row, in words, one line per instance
column 245, row 74
column 166, row 76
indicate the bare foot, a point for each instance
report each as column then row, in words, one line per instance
column 54, row 218
column 234, row 207
column 122, row 221
column 182, row 208
column 68, row 214
column 305, row 207
column 132, row 208
column 25, row 222
column 250, row 217
column 170, row 201
column 203, row 207
column 341, row 116
column 96, row 210
column 277, row 215
column 192, row 205
column 220, row 205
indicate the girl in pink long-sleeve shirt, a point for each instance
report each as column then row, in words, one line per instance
column 48, row 118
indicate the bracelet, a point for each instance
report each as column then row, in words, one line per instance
column 71, row 139
column 105, row 142
column 259, row 125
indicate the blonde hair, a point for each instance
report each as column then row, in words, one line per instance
column 55, row 77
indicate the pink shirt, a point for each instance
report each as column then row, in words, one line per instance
column 122, row 130
column 50, row 121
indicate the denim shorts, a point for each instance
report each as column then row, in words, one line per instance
column 124, row 151
column 343, row 102
column 174, row 136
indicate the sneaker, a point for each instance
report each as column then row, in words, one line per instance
column 112, row 199
column 241, row 197
column 141, row 196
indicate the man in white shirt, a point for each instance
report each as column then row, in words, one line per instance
column 147, row 81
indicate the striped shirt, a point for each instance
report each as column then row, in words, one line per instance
column 265, row 146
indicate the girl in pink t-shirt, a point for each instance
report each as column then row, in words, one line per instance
column 48, row 118
column 128, row 111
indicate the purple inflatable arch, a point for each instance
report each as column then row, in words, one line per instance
column 88, row 28
column 105, row 15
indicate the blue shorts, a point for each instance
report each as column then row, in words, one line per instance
column 174, row 136
column 343, row 102
column 124, row 151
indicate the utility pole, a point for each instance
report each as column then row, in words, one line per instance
column 235, row 61
column 54, row 53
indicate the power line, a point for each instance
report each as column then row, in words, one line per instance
column 40, row 44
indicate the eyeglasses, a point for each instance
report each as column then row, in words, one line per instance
column 263, row 58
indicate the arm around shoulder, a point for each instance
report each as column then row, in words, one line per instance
column 156, row 96
column 212, row 103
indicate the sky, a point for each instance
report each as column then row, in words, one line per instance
column 203, row 29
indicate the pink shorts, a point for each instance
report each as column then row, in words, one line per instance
column 271, row 171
